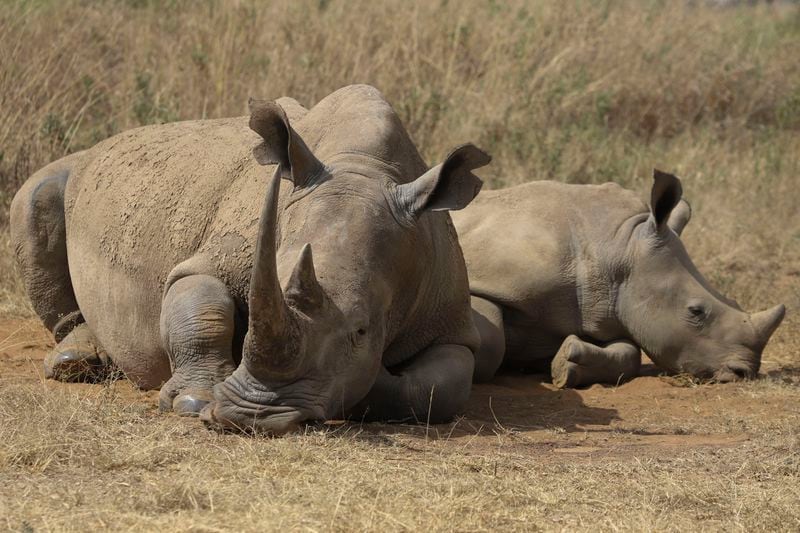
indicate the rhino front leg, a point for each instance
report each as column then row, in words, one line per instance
column 431, row 388
column 197, row 328
column 580, row 363
column 488, row 318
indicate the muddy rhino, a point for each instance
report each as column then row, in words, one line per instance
column 328, row 284
column 581, row 277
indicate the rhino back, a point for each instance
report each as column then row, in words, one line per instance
column 138, row 204
column 537, row 248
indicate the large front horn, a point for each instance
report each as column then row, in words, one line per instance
column 272, row 332
column 766, row 322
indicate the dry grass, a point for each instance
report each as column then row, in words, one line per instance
column 578, row 91
column 101, row 457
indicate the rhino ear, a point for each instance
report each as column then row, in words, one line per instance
column 282, row 145
column 680, row 216
column 293, row 109
column 448, row 186
column 664, row 197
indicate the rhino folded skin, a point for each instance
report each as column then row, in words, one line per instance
column 243, row 403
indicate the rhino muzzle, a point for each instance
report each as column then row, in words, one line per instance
column 746, row 364
column 735, row 372
column 245, row 404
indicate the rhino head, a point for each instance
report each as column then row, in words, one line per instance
column 671, row 310
column 340, row 261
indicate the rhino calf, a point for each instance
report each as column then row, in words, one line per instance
column 582, row 277
column 166, row 251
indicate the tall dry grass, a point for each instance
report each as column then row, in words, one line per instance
column 537, row 83
column 578, row 91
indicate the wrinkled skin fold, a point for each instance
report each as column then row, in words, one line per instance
column 581, row 277
column 265, row 271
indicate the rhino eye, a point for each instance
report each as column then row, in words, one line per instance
column 697, row 311
column 357, row 336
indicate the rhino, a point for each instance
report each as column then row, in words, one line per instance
column 580, row 278
column 334, row 288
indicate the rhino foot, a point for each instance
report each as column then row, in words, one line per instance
column 565, row 374
column 580, row 363
column 187, row 402
column 183, row 398
column 78, row 358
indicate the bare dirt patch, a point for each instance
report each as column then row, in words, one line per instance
column 526, row 410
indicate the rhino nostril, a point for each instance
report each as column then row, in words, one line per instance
column 729, row 373
column 741, row 373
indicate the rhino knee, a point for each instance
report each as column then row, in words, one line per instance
column 197, row 315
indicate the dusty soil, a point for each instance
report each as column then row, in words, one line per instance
column 653, row 415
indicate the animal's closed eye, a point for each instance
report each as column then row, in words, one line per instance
column 697, row 312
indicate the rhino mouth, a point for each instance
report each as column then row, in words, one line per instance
column 725, row 373
column 242, row 404
column 734, row 372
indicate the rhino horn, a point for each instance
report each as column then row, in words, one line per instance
column 272, row 329
column 303, row 287
column 766, row 322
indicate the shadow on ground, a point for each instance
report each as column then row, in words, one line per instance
column 510, row 403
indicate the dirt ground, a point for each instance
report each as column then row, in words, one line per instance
column 659, row 452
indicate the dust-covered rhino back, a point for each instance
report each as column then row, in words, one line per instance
column 137, row 205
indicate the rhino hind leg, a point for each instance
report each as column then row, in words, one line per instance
column 39, row 238
column 78, row 357
column 488, row 318
column 581, row 363
column 197, row 330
